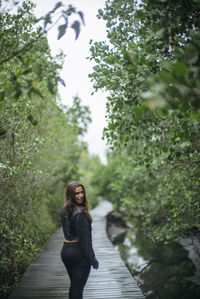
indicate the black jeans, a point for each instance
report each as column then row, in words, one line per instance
column 77, row 268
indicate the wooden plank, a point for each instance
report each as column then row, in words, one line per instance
column 46, row 277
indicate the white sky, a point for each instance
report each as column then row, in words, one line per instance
column 76, row 67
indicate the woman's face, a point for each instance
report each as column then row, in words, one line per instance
column 79, row 194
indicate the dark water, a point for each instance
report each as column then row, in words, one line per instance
column 163, row 271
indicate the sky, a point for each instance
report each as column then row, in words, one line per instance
column 76, row 67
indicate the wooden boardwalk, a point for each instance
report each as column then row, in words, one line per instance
column 47, row 278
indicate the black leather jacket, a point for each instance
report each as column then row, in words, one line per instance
column 78, row 227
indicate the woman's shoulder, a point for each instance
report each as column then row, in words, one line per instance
column 78, row 212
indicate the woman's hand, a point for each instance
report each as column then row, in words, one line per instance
column 96, row 265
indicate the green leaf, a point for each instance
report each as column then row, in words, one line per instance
column 170, row 158
column 3, row 165
column 160, row 33
column 2, row 95
column 82, row 17
column 30, row 117
column 34, row 122
column 165, row 149
column 58, row 4
column 119, row 104
column 62, row 29
column 180, row 68
column 2, row 132
column 178, row 154
column 47, row 20
column 50, row 86
column 20, row 58
column 153, row 102
column 17, row 93
column 25, row 90
column 27, row 71
column 36, row 91
column 166, row 64
column 165, row 76
column 76, row 27
column 130, row 57
column 70, row 10
column 61, row 81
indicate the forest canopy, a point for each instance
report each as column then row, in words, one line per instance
column 151, row 69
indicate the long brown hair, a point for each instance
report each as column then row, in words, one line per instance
column 71, row 202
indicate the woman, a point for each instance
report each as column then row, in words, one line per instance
column 77, row 253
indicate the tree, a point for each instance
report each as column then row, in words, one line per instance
column 18, row 37
column 40, row 143
column 151, row 71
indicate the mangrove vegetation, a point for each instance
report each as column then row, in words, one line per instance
column 150, row 68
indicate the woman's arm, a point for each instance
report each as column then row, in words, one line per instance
column 83, row 230
column 65, row 223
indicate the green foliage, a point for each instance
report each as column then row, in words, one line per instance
column 89, row 167
column 103, row 179
column 27, row 39
column 78, row 116
column 39, row 140
column 151, row 71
